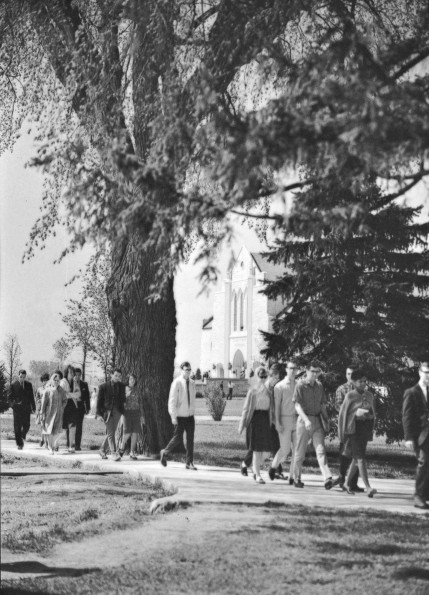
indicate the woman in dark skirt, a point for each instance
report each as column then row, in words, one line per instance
column 257, row 417
column 355, row 429
column 131, row 418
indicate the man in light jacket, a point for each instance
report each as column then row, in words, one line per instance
column 181, row 407
column 285, row 420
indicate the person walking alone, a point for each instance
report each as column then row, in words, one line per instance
column 415, row 419
column 181, row 407
column 21, row 398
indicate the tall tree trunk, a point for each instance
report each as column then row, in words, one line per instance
column 145, row 334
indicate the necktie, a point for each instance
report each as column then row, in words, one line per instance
column 189, row 394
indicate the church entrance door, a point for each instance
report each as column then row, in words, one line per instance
column 237, row 364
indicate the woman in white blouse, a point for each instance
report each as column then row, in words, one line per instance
column 257, row 417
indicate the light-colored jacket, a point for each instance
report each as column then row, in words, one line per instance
column 178, row 399
column 283, row 395
column 249, row 409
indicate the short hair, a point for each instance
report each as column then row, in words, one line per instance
column 358, row 375
column 132, row 376
column 77, row 371
column 275, row 367
column 22, row 372
column 313, row 364
column 117, row 370
column 351, row 367
column 60, row 374
column 44, row 377
column 185, row 364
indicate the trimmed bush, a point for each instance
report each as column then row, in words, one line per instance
column 215, row 402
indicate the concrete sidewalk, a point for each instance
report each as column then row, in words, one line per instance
column 224, row 485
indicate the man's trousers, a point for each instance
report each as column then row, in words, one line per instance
column 21, row 423
column 184, row 424
column 317, row 435
column 287, row 442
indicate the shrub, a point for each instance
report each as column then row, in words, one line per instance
column 199, row 395
column 215, row 402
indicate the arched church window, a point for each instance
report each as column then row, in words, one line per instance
column 241, row 311
column 235, row 311
column 245, row 309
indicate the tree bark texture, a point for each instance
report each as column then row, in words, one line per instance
column 145, row 335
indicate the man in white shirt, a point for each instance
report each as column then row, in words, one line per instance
column 285, row 420
column 181, row 407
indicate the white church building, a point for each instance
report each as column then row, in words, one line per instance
column 231, row 339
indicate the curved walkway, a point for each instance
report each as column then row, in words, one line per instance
column 223, row 485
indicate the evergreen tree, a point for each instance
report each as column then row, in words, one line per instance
column 355, row 294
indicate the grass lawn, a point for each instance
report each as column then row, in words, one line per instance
column 274, row 551
column 218, row 443
column 43, row 503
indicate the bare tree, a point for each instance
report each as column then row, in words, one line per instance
column 12, row 351
column 62, row 349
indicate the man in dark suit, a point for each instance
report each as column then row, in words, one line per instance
column 110, row 406
column 83, row 404
column 415, row 419
column 21, row 398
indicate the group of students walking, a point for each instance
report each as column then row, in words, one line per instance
column 60, row 404
column 278, row 417
column 292, row 414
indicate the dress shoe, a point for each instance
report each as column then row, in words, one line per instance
column 133, row 457
column 116, row 457
column 298, row 483
column 420, row 503
column 102, row 454
column 280, row 475
column 41, row 443
column 259, row 480
column 291, row 482
column 78, row 448
column 163, row 459
column 357, row 489
column 191, row 466
column 20, row 447
column 243, row 469
column 71, row 451
column 372, row 492
column 329, row 483
column 272, row 473
column 336, row 481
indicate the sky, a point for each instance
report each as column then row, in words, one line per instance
column 33, row 293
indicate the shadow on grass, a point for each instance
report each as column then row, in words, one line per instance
column 374, row 549
column 33, row 567
column 412, row 572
